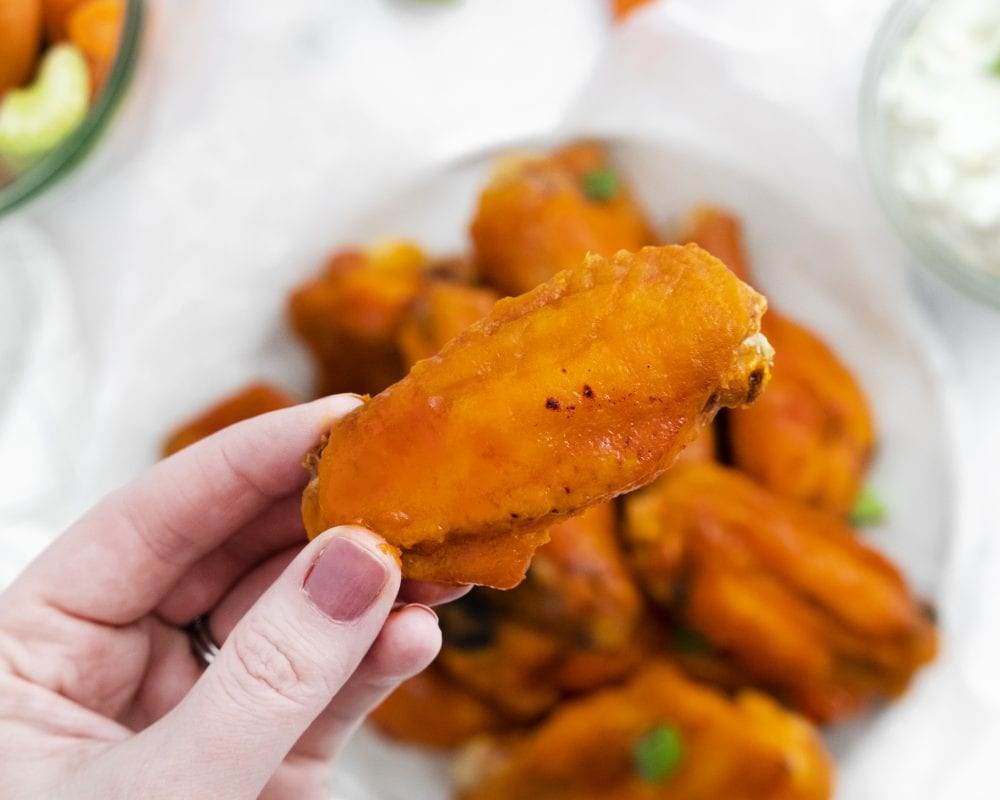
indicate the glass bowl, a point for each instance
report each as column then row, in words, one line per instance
column 931, row 248
column 58, row 162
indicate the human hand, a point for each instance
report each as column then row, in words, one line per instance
column 100, row 694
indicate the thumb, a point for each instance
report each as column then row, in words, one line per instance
column 278, row 670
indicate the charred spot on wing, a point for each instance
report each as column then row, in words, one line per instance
column 712, row 404
column 552, row 404
column 755, row 383
column 587, row 391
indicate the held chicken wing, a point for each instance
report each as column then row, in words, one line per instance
column 541, row 215
column 348, row 316
column 661, row 735
column 585, row 388
column 787, row 593
column 252, row 400
column 811, row 437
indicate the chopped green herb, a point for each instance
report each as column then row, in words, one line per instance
column 658, row 754
column 689, row 640
column 995, row 66
column 868, row 509
column 600, row 184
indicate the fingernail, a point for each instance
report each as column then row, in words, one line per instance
column 422, row 607
column 345, row 580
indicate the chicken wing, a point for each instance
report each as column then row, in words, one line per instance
column 440, row 311
column 787, row 593
column 572, row 626
column 661, row 735
column 578, row 585
column 512, row 671
column 702, row 448
column 348, row 316
column 252, row 400
column 431, row 709
column 584, row 388
column 811, row 437
column 541, row 215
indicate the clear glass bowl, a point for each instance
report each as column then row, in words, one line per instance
column 55, row 164
column 931, row 250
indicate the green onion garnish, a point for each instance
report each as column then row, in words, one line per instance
column 868, row 509
column 600, row 184
column 658, row 754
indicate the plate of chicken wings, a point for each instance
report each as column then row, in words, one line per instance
column 690, row 565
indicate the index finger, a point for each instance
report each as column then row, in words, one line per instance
column 116, row 562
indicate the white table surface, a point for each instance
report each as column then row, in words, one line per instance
column 509, row 68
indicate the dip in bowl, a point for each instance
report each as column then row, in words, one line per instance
column 931, row 135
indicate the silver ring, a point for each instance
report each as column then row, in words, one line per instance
column 204, row 647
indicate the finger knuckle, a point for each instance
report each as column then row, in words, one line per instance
column 268, row 668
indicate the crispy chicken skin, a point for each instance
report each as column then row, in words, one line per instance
column 437, row 314
column 433, row 710
column 348, row 316
column 585, row 388
column 524, row 672
column 513, row 671
column 257, row 398
column 745, row 748
column 787, row 593
column 570, row 627
column 812, row 435
column 578, row 585
column 540, row 215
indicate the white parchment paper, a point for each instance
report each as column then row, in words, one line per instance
column 263, row 135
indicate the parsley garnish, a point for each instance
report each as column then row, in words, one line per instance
column 600, row 184
column 657, row 754
column 868, row 509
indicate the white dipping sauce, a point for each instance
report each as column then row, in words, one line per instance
column 941, row 101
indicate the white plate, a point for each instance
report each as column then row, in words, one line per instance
column 812, row 271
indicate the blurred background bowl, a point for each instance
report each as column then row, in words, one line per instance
column 932, row 249
column 50, row 168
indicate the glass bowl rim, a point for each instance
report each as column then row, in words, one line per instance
column 57, row 163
